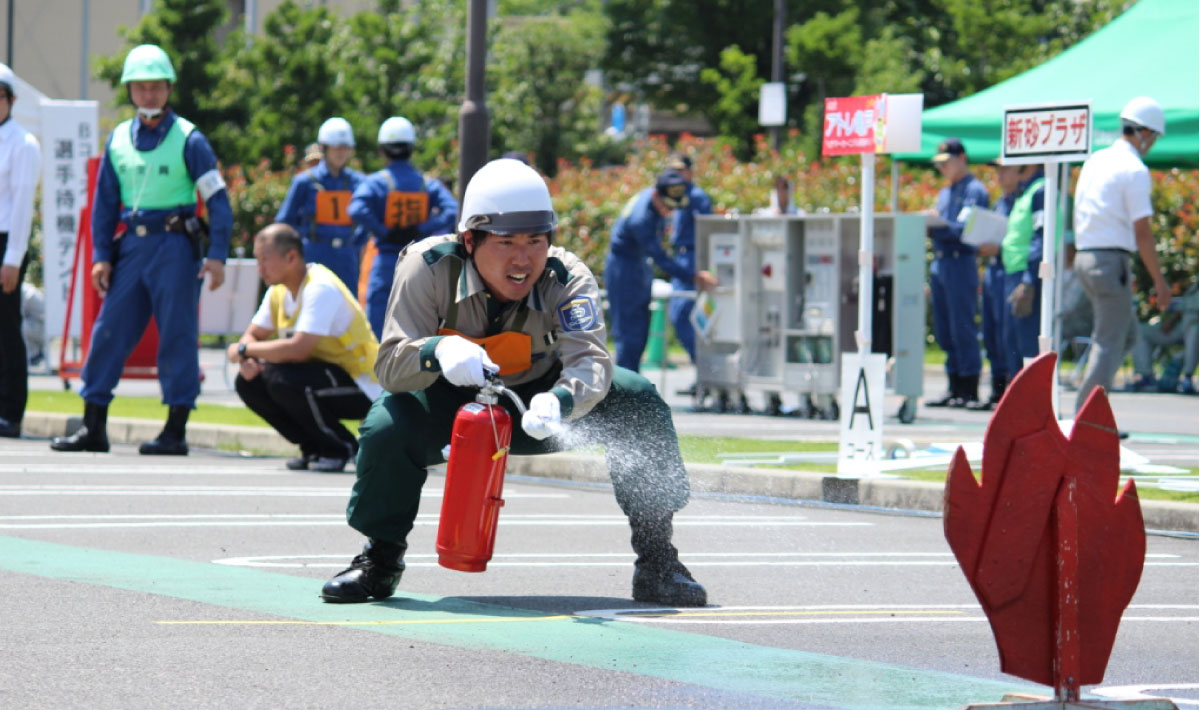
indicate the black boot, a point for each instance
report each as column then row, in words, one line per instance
column 92, row 436
column 658, row 575
column 951, row 396
column 374, row 573
column 171, row 440
column 999, row 384
column 968, row 392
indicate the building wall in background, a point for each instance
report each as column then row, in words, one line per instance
column 49, row 39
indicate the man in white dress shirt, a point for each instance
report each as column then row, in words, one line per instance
column 1112, row 221
column 20, row 163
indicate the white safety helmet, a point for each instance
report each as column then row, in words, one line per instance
column 507, row 196
column 7, row 78
column 336, row 131
column 1144, row 112
column 397, row 129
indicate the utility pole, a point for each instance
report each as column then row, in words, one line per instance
column 474, row 131
column 10, row 32
column 777, row 59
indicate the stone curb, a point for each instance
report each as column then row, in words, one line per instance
column 706, row 478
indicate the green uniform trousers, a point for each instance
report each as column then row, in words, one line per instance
column 406, row 432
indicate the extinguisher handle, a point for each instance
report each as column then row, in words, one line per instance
column 495, row 387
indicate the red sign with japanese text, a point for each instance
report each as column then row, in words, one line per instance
column 850, row 125
column 1037, row 134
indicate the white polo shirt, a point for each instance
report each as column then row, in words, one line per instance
column 325, row 313
column 20, row 167
column 1113, row 192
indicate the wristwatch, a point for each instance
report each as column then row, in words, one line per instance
column 241, row 350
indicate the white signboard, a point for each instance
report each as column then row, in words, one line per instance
column 1039, row 134
column 772, row 104
column 69, row 135
column 860, row 446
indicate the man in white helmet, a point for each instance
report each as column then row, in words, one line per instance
column 499, row 298
column 398, row 206
column 1112, row 221
column 317, row 205
column 20, row 166
column 153, row 167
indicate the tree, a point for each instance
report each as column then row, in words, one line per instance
column 538, row 99
column 737, row 85
column 289, row 74
column 186, row 30
column 406, row 59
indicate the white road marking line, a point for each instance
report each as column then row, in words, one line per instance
column 1148, row 692
column 610, row 559
column 232, row 491
column 831, row 614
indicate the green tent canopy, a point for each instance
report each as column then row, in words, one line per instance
column 1151, row 50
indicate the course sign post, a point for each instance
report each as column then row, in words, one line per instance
column 866, row 125
column 1051, row 135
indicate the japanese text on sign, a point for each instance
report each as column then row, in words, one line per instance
column 70, row 135
column 1038, row 133
column 849, row 125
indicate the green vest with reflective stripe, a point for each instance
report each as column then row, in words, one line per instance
column 154, row 179
column 1014, row 250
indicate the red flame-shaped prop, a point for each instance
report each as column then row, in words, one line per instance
column 1052, row 557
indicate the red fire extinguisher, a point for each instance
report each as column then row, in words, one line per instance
column 475, row 480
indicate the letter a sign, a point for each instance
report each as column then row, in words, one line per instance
column 861, row 441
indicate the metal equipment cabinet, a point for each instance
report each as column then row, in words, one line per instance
column 787, row 305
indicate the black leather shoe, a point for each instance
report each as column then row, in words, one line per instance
column 164, row 445
column 372, row 574
column 300, row 463
column 92, row 436
column 670, row 585
column 981, row 406
column 10, row 430
column 327, row 464
column 948, row 399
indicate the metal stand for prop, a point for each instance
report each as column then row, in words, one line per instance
column 1042, row 542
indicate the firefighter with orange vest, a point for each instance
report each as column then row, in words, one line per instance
column 305, row 361
column 499, row 296
column 397, row 206
column 317, row 205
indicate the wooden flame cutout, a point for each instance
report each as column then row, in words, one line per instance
column 1051, row 555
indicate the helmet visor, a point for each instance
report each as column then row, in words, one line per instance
column 532, row 222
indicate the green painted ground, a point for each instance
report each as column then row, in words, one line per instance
column 827, row 681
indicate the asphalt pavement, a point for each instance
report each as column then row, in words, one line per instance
column 1162, row 428
column 192, row 582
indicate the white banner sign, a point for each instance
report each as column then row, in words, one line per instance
column 1039, row 134
column 860, row 447
column 69, row 135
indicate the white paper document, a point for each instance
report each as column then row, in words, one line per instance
column 983, row 227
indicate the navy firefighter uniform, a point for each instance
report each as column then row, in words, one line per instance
column 317, row 206
column 954, row 279
column 397, row 206
column 637, row 236
column 146, row 176
column 992, row 318
column 1021, row 252
column 683, row 248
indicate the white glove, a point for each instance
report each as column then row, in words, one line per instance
column 463, row 362
column 544, row 417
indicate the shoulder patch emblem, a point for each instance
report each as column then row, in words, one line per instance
column 578, row 314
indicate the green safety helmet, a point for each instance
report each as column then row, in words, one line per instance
column 147, row 62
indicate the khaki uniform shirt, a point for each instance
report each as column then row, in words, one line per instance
column 562, row 316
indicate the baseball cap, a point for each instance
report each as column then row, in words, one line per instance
column 672, row 188
column 679, row 161
column 313, row 152
column 947, row 148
